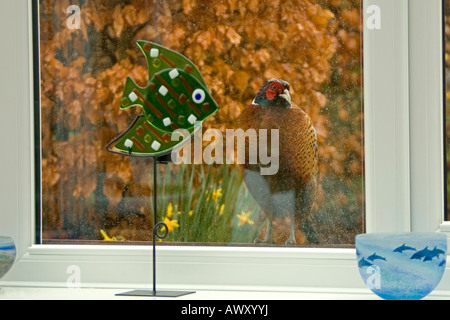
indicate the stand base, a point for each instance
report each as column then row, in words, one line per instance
column 151, row 293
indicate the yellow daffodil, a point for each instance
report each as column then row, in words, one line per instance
column 108, row 238
column 171, row 224
column 170, row 210
column 244, row 218
column 105, row 236
column 220, row 210
column 216, row 194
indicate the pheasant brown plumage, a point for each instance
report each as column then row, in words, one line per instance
column 291, row 191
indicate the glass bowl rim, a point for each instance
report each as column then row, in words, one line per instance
column 6, row 239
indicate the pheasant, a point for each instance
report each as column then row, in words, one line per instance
column 290, row 193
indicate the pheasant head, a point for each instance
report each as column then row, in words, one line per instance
column 274, row 93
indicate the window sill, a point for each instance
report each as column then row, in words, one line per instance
column 445, row 228
column 193, row 268
column 112, row 266
column 49, row 293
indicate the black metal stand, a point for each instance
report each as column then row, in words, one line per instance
column 157, row 226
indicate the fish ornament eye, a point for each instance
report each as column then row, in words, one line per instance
column 198, row 96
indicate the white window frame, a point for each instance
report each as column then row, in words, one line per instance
column 403, row 171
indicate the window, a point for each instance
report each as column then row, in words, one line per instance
column 447, row 99
column 88, row 49
column 403, row 171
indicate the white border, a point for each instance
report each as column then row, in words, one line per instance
column 427, row 130
column 387, row 135
column 386, row 117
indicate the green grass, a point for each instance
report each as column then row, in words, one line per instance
column 206, row 203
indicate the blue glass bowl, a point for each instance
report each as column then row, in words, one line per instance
column 406, row 266
column 7, row 254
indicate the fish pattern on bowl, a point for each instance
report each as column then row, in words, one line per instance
column 401, row 266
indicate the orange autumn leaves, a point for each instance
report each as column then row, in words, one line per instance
column 244, row 43
column 235, row 44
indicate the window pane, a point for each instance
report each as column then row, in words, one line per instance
column 447, row 100
column 88, row 49
column 447, row 95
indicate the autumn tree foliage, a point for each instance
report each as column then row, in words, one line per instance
column 313, row 44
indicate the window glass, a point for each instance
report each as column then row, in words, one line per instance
column 447, row 98
column 88, row 48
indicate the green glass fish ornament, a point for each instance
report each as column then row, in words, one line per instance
column 175, row 99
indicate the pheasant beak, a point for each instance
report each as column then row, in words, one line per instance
column 285, row 95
